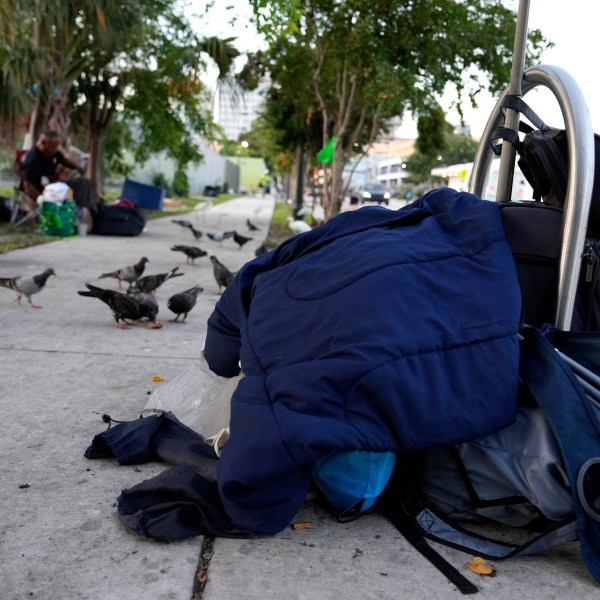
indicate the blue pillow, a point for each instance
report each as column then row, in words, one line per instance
column 349, row 478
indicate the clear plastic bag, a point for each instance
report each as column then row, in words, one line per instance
column 198, row 398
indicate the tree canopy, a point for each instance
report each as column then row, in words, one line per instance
column 74, row 64
column 364, row 63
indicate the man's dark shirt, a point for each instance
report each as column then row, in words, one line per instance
column 36, row 165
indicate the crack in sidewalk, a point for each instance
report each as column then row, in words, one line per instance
column 206, row 553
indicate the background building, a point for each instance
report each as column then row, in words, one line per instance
column 234, row 109
column 391, row 172
column 458, row 177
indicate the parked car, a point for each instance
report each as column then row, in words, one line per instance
column 371, row 192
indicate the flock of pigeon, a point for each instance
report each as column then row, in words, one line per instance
column 138, row 301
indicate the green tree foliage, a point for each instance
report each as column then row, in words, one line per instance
column 86, row 61
column 289, row 118
column 460, row 149
column 365, row 62
column 433, row 134
column 438, row 145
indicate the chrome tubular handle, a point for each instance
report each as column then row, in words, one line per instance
column 580, row 136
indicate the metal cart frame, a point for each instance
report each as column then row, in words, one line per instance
column 580, row 138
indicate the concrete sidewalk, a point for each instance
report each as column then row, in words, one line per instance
column 66, row 364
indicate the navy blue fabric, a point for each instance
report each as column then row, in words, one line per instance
column 176, row 504
column 575, row 421
column 380, row 330
column 155, row 438
column 180, row 502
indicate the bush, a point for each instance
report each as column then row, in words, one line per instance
column 181, row 186
column 159, row 180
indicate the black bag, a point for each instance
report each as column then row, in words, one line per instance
column 545, row 491
column 534, row 229
column 544, row 160
column 118, row 220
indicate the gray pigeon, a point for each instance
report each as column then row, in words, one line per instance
column 129, row 274
column 219, row 236
column 223, row 276
column 150, row 283
column 197, row 233
column 262, row 249
column 192, row 252
column 183, row 302
column 240, row 240
column 147, row 304
column 125, row 307
column 27, row 286
column 182, row 222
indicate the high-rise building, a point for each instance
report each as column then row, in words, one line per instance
column 235, row 109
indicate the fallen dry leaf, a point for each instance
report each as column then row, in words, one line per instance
column 301, row 525
column 158, row 378
column 479, row 566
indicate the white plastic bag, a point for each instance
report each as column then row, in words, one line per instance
column 56, row 192
column 198, row 398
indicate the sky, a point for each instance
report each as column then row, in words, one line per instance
column 573, row 28
column 571, row 25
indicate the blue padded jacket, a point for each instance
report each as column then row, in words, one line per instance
column 379, row 330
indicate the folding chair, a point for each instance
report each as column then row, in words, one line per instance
column 20, row 198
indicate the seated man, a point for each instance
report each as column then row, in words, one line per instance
column 41, row 165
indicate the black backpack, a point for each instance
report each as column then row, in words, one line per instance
column 533, row 229
column 544, row 159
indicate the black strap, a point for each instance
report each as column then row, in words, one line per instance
column 416, row 539
column 516, row 103
column 402, row 492
column 510, row 135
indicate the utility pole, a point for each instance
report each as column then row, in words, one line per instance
column 299, row 198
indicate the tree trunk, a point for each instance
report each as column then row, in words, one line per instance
column 59, row 118
column 39, row 116
column 333, row 184
column 94, row 165
column 102, row 100
column 299, row 191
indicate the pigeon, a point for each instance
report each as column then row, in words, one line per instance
column 223, row 276
column 262, row 249
column 129, row 274
column 251, row 226
column 196, row 232
column 150, row 283
column 27, row 286
column 125, row 307
column 147, row 305
column 240, row 240
column 183, row 302
column 219, row 236
column 182, row 222
column 192, row 252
